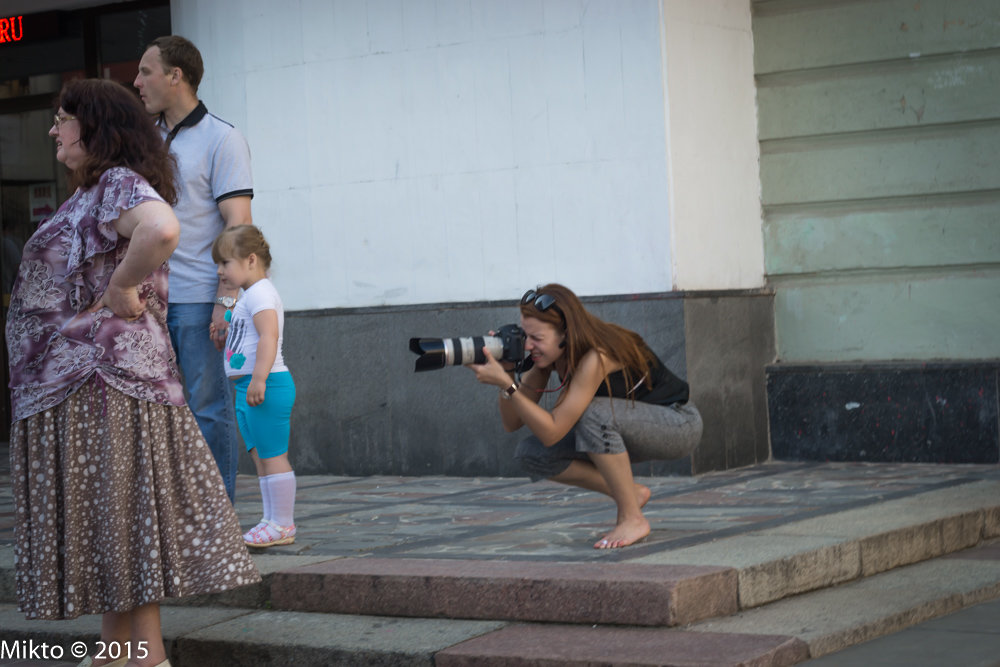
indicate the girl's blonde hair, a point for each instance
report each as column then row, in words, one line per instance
column 240, row 242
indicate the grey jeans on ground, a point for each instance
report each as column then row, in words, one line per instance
column 614, row 425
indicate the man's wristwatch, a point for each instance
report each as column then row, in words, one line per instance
column 227, row 301
column 509, row 391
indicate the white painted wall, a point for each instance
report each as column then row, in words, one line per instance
column 714, row 157
column 414, row 151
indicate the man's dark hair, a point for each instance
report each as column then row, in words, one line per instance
column 176, row 51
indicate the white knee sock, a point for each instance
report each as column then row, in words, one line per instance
column 282, row 497
column 265, row 494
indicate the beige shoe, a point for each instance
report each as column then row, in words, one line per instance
column 89, row 662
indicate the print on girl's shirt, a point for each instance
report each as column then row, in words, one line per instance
column 234, row 342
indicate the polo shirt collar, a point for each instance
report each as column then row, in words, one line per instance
column 190, row 120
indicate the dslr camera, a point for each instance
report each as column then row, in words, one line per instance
column 506, row 345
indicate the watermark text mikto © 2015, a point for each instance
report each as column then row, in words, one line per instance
column 30, row 649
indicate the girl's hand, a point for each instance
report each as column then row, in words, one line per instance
column 122, row 301
column 491, row 372
column 266, row 324
column 255, row 392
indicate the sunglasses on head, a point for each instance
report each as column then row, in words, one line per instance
column 543, row 302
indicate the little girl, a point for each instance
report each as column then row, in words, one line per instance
column 265, row 391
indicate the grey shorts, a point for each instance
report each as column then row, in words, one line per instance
column 611, row 426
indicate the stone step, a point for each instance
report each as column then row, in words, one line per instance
column 785, row 632
column 816, row 553
column 579, row 646
column 664, row 588
column 834, row 618
column 744, row 571
column 229, row 637
column 586, row 593
column 773, row 592
column 225, row 637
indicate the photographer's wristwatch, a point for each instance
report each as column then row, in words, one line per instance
column 509, row 391
column 226, row 301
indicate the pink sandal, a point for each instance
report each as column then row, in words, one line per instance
column 269, row 534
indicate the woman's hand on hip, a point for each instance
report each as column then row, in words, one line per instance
column 122, row 301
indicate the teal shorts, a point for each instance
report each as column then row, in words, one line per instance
column 266, row 427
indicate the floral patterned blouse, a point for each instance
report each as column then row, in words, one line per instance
column 53, row 343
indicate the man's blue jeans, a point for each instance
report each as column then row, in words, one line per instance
column 208, row 391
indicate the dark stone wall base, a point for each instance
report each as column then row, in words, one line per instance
column 922, row 413
column 361, row 409
column 730, row 340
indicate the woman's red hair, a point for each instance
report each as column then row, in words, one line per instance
column 585, row 332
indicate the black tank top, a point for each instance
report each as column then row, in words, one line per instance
column 659, row 387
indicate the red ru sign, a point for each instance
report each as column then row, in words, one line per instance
column 11, row 29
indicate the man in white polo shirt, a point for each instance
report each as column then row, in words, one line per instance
column 214, row 192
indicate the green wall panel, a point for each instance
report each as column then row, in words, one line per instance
column 919, row 232
column 927, row 317
column 802, row 34
column 879, row 123
column 881, row 164
column 903, row 94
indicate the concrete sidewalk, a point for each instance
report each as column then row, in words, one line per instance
column 499, row 518
column 793, row 553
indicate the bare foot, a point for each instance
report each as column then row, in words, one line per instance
column 625, row 533
column 642, row 494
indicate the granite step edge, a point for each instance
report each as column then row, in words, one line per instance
column 226, row 637
column 813, row 554
column 781, row 633
column 837, row 617
column 587, row 593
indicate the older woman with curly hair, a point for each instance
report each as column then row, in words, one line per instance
column 118, row 500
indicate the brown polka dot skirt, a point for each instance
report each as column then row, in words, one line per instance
column 118, row 504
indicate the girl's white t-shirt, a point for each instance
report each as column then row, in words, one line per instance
column 241, row 343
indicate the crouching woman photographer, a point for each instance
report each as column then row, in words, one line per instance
column 618, row 404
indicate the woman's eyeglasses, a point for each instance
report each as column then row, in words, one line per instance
column 543, row 302
column 59, row 120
